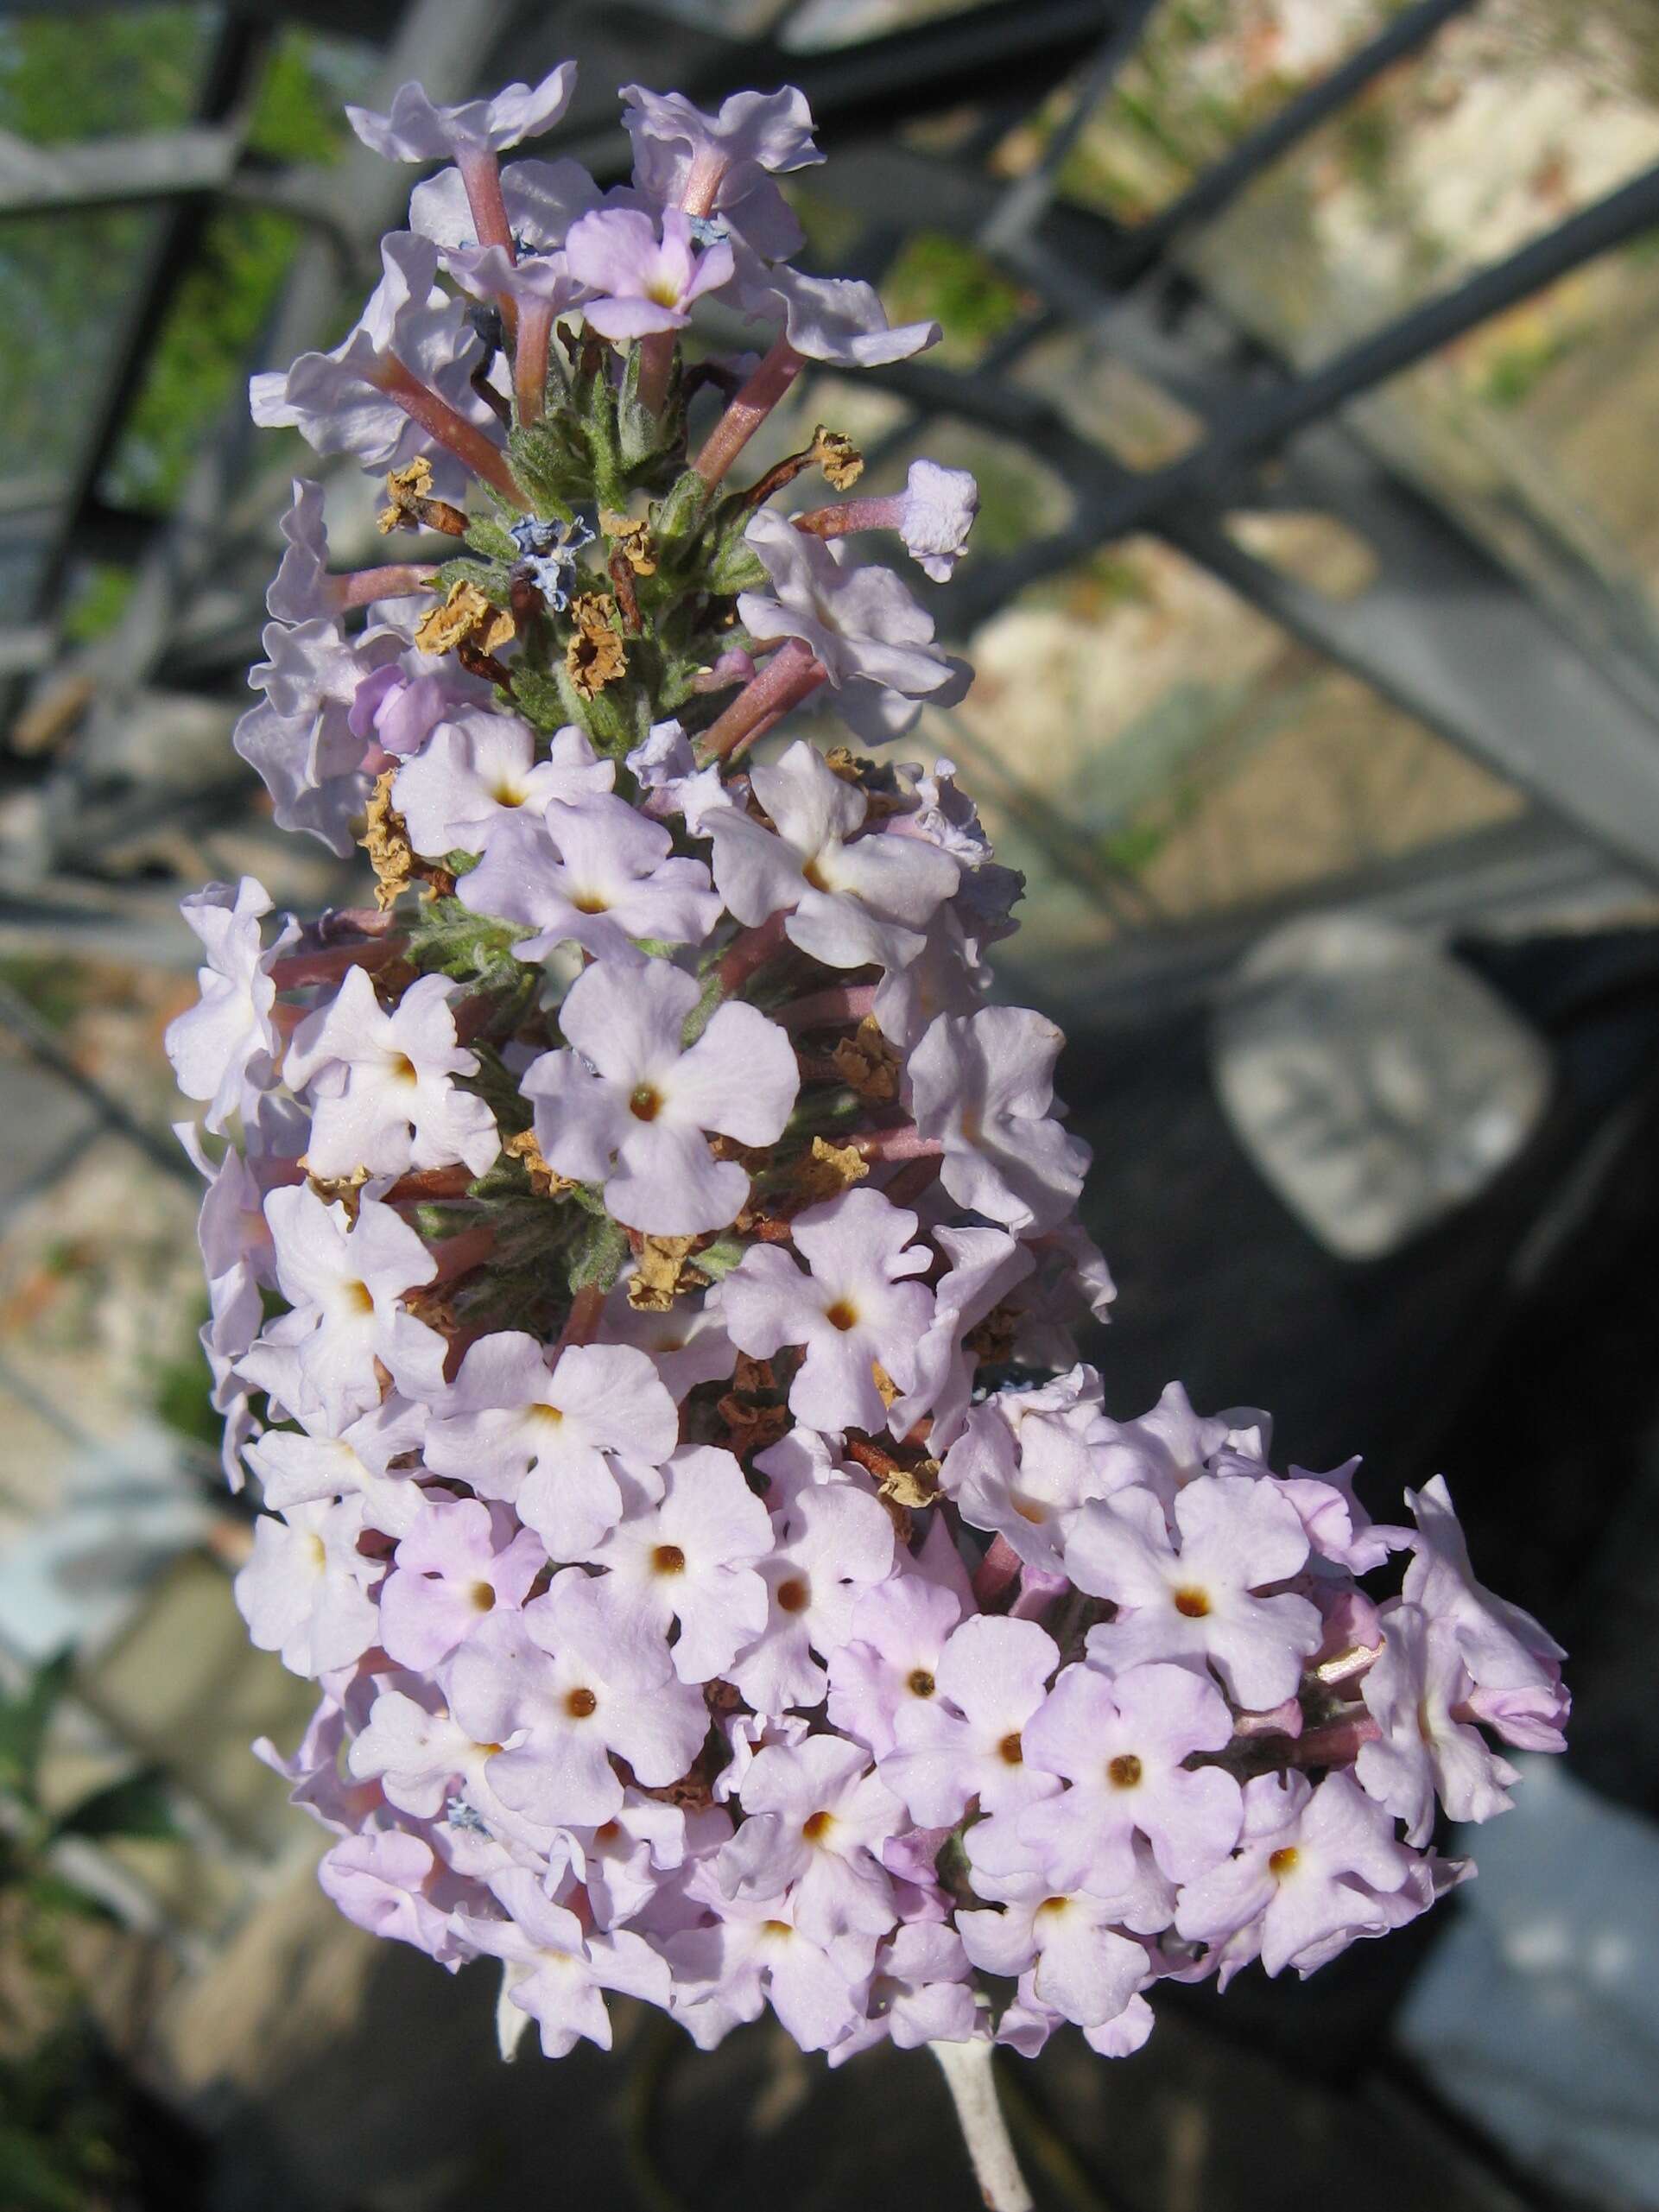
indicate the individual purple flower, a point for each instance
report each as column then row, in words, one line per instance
column 983, row 1267
column 969, row 1742
column 540, row 1434
column 558, row 1688
column 813, row 865
column 1338, row 1527
column 345, row 1282
column 297, row 1469
column 850, row 1311
column 945, row 975
column 834, row 319
column 620, row 1862
column 726, row 1973
column 1061, row 1943
column 630, row 1107
column 597, row 875
column 1027, row 1461
column 299, row 590
column 478, row 770
column 719, row 168
column 860, row 624
column 932, row 515
column 418, row 128
column 314, row 1770
column 555, row 1971
column 817, row 1816
column 1532, row 1720
column 401, row 703
column 302, row 739
column 671, row 784
column 227, row 1043
column 304, row 1592
column 238, row 1262
column 891, row 1657
column 687, row 1344
column 687, row 1552
column 384, row 1883
column 382, row 1083
column 982, row 1086
column 1310, row 1874
column 640, row 283
column 458, row 1560
column 338, row 400
column 1122, row 1744
column 422, row 1757
column 918, row 1994
column 748, row 1734
column 1198, row 1601
column 834, row 1541
column 1415, row 1692
column 1503, row 1647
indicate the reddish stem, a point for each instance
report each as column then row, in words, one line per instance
column 440, row 421
column 1037, row 1592
column 530, row 349
column 364, row 920
column 787, row 678
column 754, row 402
column 430, row 1184
column 708, row 171
column 460, row 1254
column 902, row 1142
column 1337, row 1744
column 751, row 951
column 481, row 174
column 329, row 964
column 585, row 1307
column 1000, row 1566
column 823, row 1009
column 854, row 515
column 397, row 580
column 904, row 1188
column 655, row 364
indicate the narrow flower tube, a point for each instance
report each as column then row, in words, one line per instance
column 747, row 411
column 440, row 421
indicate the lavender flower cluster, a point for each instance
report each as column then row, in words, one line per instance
column 639, row 1245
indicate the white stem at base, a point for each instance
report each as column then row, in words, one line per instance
column 967, row 2070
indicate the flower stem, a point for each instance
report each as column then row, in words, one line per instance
column 787, row 678
column 327, row 964
column 399, row 579
column 751, row 407
column 481, row 174
column 535, row 322
column 841, row 1001
column 967, row 2070
column 439, row 421
column 655, row 364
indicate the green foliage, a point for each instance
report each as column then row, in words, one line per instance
column 445, row 939
column 99, row 600
column 182, row 1393
column 70, row 77
column 56, row 989
column 492, row 541
column 58, row 2126
column 597, row 1253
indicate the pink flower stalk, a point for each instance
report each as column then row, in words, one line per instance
column 619, row 1243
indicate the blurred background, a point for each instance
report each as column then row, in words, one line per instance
column 1307, row 354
